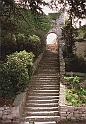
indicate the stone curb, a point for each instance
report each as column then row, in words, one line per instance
column 76, row 73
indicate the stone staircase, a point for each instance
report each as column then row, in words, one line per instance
column 43, row 92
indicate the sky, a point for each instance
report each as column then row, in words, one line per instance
column 46, row 9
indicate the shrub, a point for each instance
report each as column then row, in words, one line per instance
column 68, row 35
column 8, row 44
column 25, row 57
column 34, row 44
column 75, row 64
column 75, row 93
column 14, row 74
column 21, row 37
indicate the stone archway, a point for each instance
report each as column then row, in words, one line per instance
column 51, row 40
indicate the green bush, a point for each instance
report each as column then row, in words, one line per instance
column 15, row 75
column 54, row 16
column 34, row 44
column 25, row 57
column 68, row 35
column 75, row 64
column 75, row 93
column 81, row 33
column 21, row 37
column 8, row 44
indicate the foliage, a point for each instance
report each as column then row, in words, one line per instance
column 73, row 98
column 15, row 74
column 34, row 5
column 75, row 64
column 81, row 33
column 43, row 23
column 54, row 16
column 72, row 62
column 72, row 80
column 42, row 36
column 20, row 38
column 74, row 7
column 27, row 59
column 31, row 43
column 35, row 39
column 68, row 34
column 75, row 93
column 21, row 23
column 34, row 44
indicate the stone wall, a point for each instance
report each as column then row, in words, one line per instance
column 80, row 49
column 72, row 113
column 67, row 112
column 12, row 113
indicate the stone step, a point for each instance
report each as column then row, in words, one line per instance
column 44, row 88
column 45, row 91
column 40, row 118
column 44, row 83
column 47, row 71
column 46, row 59
column 32, row 122
column 53, row 74
column 45, row 77
column 41, row 79
column 50, row 83
column 41, row 109
column 43, row 94
column 31, row 104
column 41, row 113
column 43, row 97
column 48, row 67
column 40, row 102
column 49, row 122
column 48, row 64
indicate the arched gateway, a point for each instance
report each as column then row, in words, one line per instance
column 59, row 23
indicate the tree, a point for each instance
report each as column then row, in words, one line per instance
column 33, row 5
column 76, row 8
column 17, row 19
